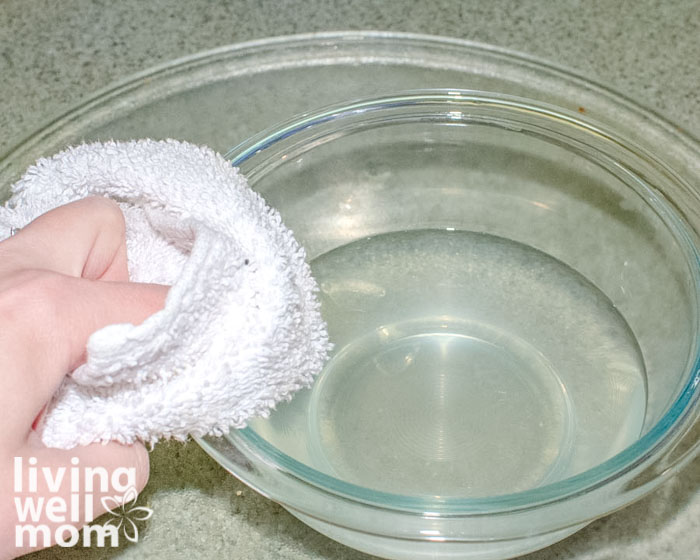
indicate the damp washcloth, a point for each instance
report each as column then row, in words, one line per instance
column 241, row 329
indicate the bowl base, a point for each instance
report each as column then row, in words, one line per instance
column 408, row 549
column 455, row 407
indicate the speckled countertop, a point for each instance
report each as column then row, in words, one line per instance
column 55, row 54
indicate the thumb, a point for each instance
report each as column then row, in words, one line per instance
column 56, row 487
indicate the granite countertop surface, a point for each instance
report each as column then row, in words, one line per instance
column 55, row 54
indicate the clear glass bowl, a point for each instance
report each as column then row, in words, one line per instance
column 512, row 289
column 589, row 152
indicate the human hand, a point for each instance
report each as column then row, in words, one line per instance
column 62, row 277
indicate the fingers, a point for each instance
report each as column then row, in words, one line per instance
column 78, row 479
column 49, row 297
column 85, row 239
column 52, row 317
column 62, row 277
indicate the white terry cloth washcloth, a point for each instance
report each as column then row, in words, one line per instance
column 241, row 329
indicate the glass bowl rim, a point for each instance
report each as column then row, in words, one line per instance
column 641, row 451
column 163, row 71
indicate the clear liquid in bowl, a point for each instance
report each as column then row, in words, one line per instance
column 466, row 365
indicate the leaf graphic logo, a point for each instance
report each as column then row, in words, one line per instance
column 125, row 513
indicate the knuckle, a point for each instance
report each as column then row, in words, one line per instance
column 106, row 211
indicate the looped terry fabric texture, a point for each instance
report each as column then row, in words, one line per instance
column 241, row 329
